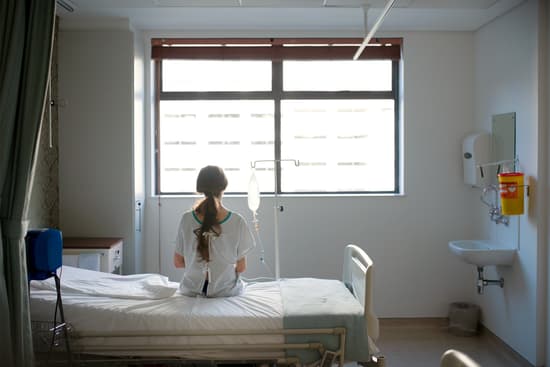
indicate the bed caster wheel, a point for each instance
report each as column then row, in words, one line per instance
column 375, row 361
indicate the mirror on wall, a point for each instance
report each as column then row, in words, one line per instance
column 503, row 144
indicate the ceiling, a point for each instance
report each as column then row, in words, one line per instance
column 288, row 15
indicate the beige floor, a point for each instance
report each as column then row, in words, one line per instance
column 421, row 342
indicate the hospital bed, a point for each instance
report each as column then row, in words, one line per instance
column 300, row 321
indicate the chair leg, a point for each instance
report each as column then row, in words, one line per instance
column 62, row 314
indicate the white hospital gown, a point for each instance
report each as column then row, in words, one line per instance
column 234, row 241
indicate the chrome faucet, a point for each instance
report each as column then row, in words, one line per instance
column 494, row 210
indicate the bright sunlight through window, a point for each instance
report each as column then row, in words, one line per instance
column 338, row 119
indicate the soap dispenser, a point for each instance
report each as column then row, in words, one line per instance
column 475, row 152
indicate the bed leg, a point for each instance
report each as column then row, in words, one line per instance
column 329, row 358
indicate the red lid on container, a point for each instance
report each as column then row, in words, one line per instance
column 510, row 174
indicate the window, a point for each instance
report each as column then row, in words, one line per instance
column 268, row 103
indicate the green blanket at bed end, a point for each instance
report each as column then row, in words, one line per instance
column 323, row 303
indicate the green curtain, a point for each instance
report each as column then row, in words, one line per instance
column 26, row 34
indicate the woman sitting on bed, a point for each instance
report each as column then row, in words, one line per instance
column 212, row 242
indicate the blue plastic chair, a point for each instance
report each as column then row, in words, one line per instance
column 44, row 258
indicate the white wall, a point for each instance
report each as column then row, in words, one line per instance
column 546, row 120
column 506, row 80
column 96, row 182
column 407, row 236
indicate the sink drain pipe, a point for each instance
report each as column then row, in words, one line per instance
column 482, row 282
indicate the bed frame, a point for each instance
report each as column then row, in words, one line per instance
column 357, row 276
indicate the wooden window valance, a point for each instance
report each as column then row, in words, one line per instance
column 274, row 48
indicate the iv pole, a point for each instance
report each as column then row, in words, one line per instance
column 276, row 208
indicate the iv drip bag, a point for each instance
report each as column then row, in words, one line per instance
column 253, row 193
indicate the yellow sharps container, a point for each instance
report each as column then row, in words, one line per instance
column 511, row 192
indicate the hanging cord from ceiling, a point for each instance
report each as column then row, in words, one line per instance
column 67, row 5
column 374, row 28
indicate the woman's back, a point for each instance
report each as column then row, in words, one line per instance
column 232, row 243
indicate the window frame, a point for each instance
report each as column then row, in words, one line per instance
column 161, row 50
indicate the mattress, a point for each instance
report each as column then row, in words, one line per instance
column 151, row 304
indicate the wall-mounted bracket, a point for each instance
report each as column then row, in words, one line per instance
column 482, row 282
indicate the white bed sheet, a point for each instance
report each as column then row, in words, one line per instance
column 259, row 308
column 94, row 283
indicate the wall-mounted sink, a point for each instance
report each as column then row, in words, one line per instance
column 482, row 253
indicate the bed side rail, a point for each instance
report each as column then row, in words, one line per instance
column 358, row 276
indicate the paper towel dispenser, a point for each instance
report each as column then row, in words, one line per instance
column 476, row 149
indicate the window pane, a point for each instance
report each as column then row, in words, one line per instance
column 229, row 134
column 215, row 76
column 342, row 145
column 347, row 75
